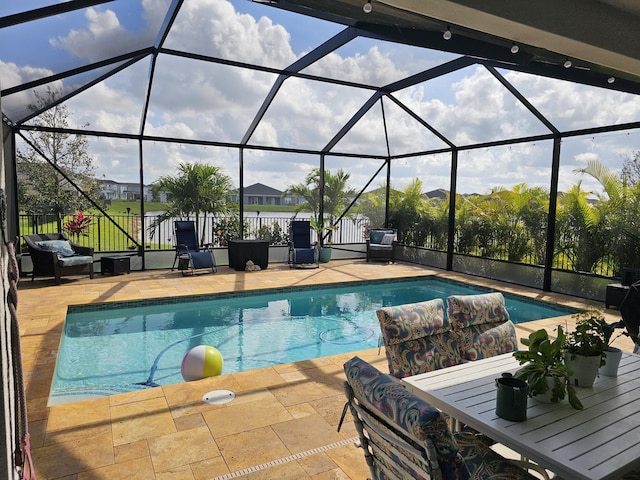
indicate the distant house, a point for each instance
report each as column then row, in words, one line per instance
column 260, row 194
column 112, row 190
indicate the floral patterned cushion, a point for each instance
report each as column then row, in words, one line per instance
column 388, row 398
column 482, row 325
column 417, row 338
column 467, row 310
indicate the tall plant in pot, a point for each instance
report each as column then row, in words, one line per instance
column 544, row 370
column 585, row 348
column 319, row 227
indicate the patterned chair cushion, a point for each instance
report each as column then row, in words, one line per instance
column 417, row 338
column 482, row 325
column 467, row 310
column 484, row 463
column 391, row 400
column 488, row 340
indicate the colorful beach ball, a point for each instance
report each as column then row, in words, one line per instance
column 201, row 362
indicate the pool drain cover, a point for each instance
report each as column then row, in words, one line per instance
column 218, row 397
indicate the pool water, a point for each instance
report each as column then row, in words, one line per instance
column 113, row 348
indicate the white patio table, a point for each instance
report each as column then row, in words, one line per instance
column 601, row 442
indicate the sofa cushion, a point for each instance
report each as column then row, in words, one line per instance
column 75, row 260
column 62, row 247
column 417, row 338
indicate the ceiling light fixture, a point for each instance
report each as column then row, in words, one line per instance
column 515, row 48
column 567, row 63
column 611, row 79
column 367, row 7
column 447, row 34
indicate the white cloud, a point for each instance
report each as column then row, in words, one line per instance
column 199, row 100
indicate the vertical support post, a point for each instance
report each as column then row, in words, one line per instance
column 551, row 222
column 452, row 208
column 387, row 194
column 321, row 199
column 141, row 250
column 241, row 191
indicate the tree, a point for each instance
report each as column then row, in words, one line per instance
column 52, row 184
column 407, row 210
column 199, row 190
column 337, row 195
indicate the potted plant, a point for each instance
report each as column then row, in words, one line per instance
column 612, row 355
column 544, row 370
column 324, row 252
column 585, row 348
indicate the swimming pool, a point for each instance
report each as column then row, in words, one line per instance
column 117, row 347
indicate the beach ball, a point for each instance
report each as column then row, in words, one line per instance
column 201, row 362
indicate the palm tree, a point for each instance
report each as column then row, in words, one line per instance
column 197, row 190
column 337, row 195
column 407, row 211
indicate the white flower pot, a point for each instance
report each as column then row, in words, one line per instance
column 612, row 357
column 585, row 369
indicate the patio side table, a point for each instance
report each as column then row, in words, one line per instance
column 115, row 265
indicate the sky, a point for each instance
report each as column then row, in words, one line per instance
column 199, row 100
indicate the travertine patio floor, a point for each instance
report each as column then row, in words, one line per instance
column 282, row 423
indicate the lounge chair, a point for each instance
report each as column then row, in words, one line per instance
column 381, row 244
column 189, row 255
column 302, row 252
column 53, row 255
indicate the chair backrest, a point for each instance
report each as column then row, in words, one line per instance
column 482, row 325
column 185, row 235
column 300, row 233
column 402, row 435
column 417, row 338
column 33, row 238
column 377, row 235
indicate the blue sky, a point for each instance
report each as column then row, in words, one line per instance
column 194, row 100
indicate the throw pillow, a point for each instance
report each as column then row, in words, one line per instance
column 388, row 239
column 62, row 247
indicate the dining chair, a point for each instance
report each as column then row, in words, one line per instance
column 404, row 437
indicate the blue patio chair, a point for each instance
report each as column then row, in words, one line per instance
column 301, row 250
column 189, row 254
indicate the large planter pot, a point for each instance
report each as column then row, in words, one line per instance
column 324, row 254
column 613, row 356
column 585, row 369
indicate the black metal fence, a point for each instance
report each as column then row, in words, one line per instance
column 126, row 232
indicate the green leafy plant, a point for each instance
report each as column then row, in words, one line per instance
column 588, row 338
column 545, row 358
column 319, row 227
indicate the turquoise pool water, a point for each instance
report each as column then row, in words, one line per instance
column 112, row 348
